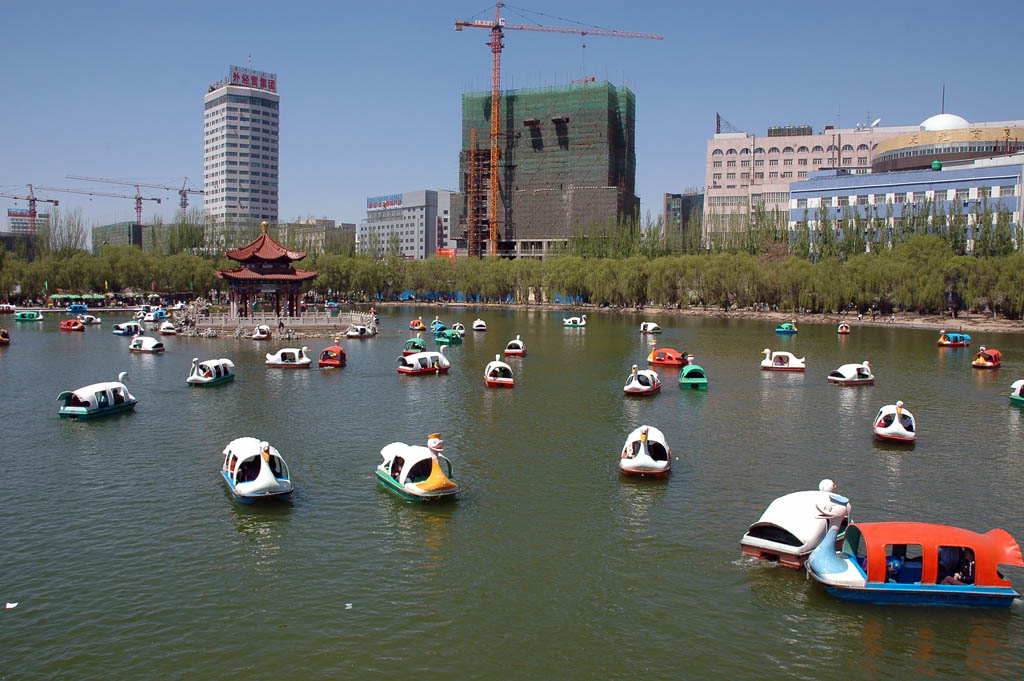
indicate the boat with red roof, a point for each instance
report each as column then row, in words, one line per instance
column 333, row 356
column 905, row 563
column 665, row 357
column 72, row 325
column 987, row 358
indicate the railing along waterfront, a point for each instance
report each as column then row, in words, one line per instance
column 310, row 320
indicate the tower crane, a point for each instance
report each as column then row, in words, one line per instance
column 31, row 198
column 182, row 193
column 139, row 198
column 497, row 28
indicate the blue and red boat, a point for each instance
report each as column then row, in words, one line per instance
column 904, row 563
column 953, row 340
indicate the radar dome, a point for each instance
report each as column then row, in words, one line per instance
column 944, row 121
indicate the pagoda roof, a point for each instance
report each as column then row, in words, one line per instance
column 264, row 248
column 245, row 274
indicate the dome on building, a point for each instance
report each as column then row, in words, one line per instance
column 944, row 121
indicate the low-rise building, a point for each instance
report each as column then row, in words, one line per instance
column 20, row 221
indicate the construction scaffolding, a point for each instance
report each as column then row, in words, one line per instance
column 567, row 163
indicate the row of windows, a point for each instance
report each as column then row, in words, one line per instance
column 1001, row 191
column 239, row 99
column 790, row 150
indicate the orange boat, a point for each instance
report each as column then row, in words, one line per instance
column 72, row 325
column 987, row 358
column 332, row 356
column 666, row 357
column 5, row 338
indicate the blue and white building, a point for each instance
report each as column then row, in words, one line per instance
column 888, row 196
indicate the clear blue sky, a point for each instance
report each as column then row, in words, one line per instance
column 371, row 90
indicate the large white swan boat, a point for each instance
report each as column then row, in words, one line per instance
column 254, row 470
column 794, row 524
column 415, row 472
column 98, row 399
column 289, row 358
column 894, row 423
column 781, row 361
column 427, row 362
column 646, row 453
column 145, row 344
column 497, row 374
column 852, row 374
column 210, row 371
column 641, row 382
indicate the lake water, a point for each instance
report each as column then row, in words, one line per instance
column 130, row 560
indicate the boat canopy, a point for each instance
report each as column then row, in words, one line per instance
column 332, row 352
column 990, row 355
column 994, row 548
column 693, row 371
column 797, row 514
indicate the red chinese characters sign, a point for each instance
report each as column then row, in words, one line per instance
column 254, row 79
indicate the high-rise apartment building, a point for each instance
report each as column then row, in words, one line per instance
column 19, row 221
column 240, row 148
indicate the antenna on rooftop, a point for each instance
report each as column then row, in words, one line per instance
column 943, row 108
column 722, row 125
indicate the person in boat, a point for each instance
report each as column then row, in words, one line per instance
column 964, row 574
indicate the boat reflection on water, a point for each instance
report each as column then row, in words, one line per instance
column 261, row 529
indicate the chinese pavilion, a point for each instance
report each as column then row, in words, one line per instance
column 265, row 267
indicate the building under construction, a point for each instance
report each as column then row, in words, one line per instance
column 567, row 163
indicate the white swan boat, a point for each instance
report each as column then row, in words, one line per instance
column 210, row 371
column 359, row 331
column 126, row 329
column 289, row 358
column 497, row 374
column 98, row 399
column 145, row 344
column 459, row 328
column 852, row 374
column 261, row 332
column 575, row 321
column 415, row 472
column 646, row 453
column 515, row 348
column 427, row 362
column 254, row 470
column 794, row 524
column 479, row 325
column 642, row 382
column 150, row 318
column 167, row 329
column 781, row 361
column 649, row 327
column 89, row 320
column 894, row 423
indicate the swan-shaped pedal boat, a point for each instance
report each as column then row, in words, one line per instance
column 145, row 344
column 126, row 329
column 289, row 358
column 428, row 362
column 843, row 329
column 794, row 524
column 894, row 423
column 479, row 325
column 261, row 332
column 71, row 325
column 852, row 374
column 574, row 321
column 786, row 328
column 167, row 328
column 414, row 345
column 360, row 331
column 1017, row 392
column 98, row 399
column 987, row 358
column 459, row 328
column 906, row 563
column 641, row 382
column 332, row 357
column 646, row 453
column 28, row 316
column 417, row 324
column 210, row 372
column 953, row 340
column 782, row 361
column 515, row 348
column 89, row 320
column 437, row 326
column 665, row 357
column 415, row 472
column 497, row 374
column 254, row 470
column 649, row 327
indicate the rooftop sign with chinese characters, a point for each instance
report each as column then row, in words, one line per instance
column 389, row 201
column 248, row 78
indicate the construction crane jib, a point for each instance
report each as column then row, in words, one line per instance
column 497, row 26
column 138, row 197
column 183, row 192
